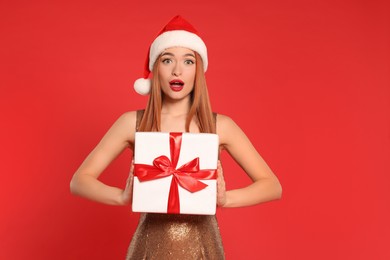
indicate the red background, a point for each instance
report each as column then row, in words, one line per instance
column 308, row 81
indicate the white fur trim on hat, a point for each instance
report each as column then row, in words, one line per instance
column 177, row 38
column 142, row 86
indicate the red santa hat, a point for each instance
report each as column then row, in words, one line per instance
column 177, row 33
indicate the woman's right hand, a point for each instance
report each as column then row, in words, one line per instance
column 127, row 193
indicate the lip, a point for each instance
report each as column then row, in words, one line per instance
column 176, row 81
column 176, row 85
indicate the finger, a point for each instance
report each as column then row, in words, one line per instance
column 221, row 183
column 220, row 177
column 219, row 167
column 128, row 183
column 132, row 167
column 129, row 180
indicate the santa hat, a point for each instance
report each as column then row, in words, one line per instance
column 177, row 33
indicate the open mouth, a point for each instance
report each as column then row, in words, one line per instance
column 176, row 85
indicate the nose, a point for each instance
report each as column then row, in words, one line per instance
column 176, row 70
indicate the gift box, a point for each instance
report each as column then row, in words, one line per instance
column 175, row 173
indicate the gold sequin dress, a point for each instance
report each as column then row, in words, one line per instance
column 176, row 236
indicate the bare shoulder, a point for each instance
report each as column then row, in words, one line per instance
column 223, row 123
column 227, row 129
column 125, row 125
column 129, row 117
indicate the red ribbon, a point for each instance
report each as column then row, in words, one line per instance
column 186, row 175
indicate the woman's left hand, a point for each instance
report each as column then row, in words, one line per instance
column 221, row 187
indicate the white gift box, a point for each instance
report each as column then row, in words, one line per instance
column 152, row 195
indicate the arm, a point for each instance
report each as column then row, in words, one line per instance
column 85, row 181
column 265, row 186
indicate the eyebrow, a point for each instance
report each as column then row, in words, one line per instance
column 185, row 55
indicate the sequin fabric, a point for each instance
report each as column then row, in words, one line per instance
column 175, row 236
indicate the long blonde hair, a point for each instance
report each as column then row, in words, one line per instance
column 200, row 103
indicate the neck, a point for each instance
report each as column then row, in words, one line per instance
column 176, row 107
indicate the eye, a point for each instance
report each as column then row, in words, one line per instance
column 166, row 61
column 189, row 62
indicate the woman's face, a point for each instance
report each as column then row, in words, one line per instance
column 176, row 72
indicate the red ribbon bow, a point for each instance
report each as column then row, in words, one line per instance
column 186, row 175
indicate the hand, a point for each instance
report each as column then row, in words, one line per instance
column 221, row 187
column 128, row 191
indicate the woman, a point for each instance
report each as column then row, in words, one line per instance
column 178, row 103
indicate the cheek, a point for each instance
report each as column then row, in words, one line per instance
column 162, row 75
column 191, row 74
column 161, row 72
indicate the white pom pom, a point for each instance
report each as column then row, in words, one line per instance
column 142, row 86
